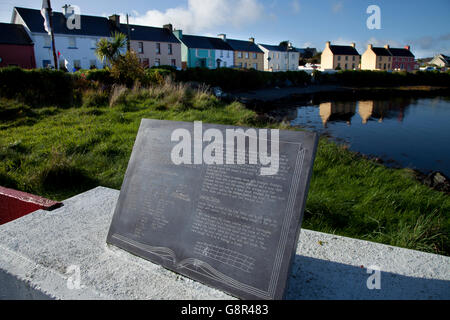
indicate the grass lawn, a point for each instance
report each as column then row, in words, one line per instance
column 58, row 153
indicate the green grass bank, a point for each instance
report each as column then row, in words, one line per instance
column 59, row 152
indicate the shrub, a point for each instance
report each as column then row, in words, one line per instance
column 127, row 69
column 38, row 87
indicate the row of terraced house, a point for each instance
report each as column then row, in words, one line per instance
column 25, row 43
column 154, row 46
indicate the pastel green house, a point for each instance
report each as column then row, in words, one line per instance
column 204, row 52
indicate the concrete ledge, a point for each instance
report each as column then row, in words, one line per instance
column 37, row 250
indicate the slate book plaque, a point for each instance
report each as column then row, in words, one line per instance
column 225, row 225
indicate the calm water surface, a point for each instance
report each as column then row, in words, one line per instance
column 412, row 133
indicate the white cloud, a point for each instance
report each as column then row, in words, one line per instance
column 337, row 7
column 200, row 15
column 296, row 6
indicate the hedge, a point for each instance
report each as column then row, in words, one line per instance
column 233, row 79
column 38, row 87
column 363, row 78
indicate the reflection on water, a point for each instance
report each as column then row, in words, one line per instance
column 412, row 132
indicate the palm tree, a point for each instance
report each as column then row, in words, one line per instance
column 110, row 49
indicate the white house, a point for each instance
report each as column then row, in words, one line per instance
column 75, row 47
column 280, row 58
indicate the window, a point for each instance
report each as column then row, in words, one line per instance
column 225, row 64
column 385, row 66
column 93, row 44
column 157, row 62
column 77, row 64
column 47, row 42
column 72, row 42
column 255, row 66
column 146, row 62
column 240, row 64
column 339, row 58
column 158, row 48
column 389, row 59
column 93, row 64
column 228, row 54
column 246, row 55
column 339, row 65
column 174, row 62
column 239, row 54
column 354, row 58
column 254, row 56
column 196, row 53
column 245, row 65
column 170, row 49
column 389, row 66
column 353, row 66
column 221, row 53
column 379, row 66
column 346, row 58
column 46, row 63
column 140, row 47
column 346, row 66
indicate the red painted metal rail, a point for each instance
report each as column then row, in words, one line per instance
column 15, row 204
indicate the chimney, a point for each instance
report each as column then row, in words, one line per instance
column 252, row 40
column 115, row 19
column 67, row 10
column 328, row 44
column 223, row 36
column 178, row 34
column 353, row 44
column 370, row 46
column 168, row 27
column 387, row 46
column 408, row 48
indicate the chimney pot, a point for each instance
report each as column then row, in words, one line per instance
column 168, row 27
column 353, row 44
column 252, row 40
column 370, row 46
column 67, row 10
column 407, row 47
column 328, row 44
column 116, row 19
column 223, row 36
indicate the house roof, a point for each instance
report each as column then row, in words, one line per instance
column 90, row 25
column 446, row 58
column 146, row 33
column 242, row 45
column 278, row 48
column 344, row 50
column 14, row 34
column 383, row 52
column 401, row 52
column 205, row 43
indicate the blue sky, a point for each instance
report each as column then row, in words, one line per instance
column 425, row 25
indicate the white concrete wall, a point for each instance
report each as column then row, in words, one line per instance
column 84, row 51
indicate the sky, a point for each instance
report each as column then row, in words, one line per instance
column 424, row 25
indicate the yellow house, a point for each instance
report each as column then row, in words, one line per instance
column 247, row 54
column 340, row 57
column 376, row 59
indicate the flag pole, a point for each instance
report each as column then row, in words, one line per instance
column 52, row 34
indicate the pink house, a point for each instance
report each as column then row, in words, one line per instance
column 402, row 59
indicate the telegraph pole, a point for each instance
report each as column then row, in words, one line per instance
column 52, row 34
column 129, row 35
